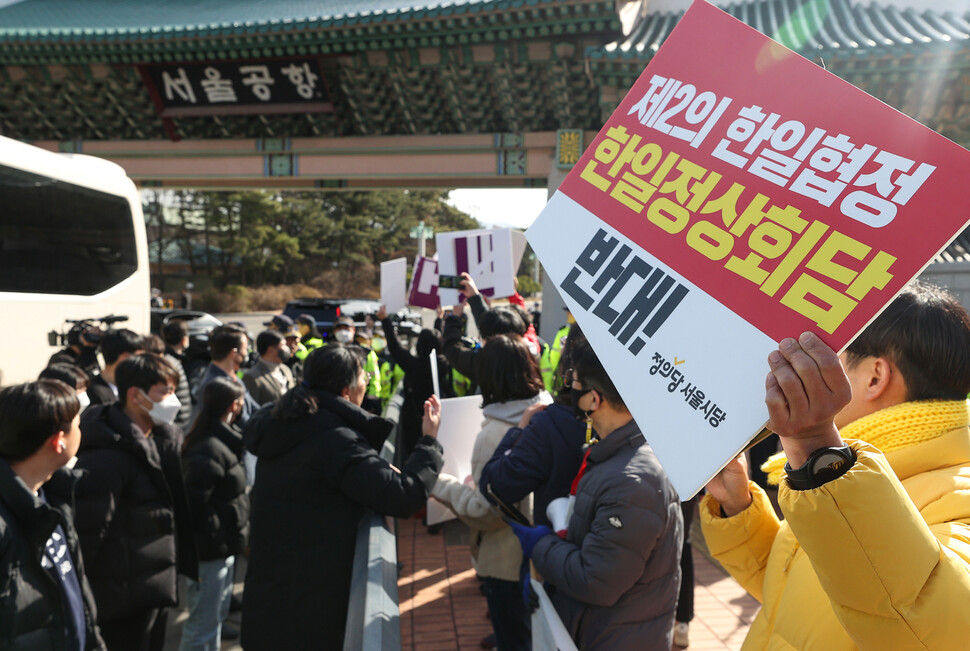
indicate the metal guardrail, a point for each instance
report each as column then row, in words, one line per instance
column 373, row 616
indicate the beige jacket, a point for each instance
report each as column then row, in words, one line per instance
column 261, row 384
column 494, row 547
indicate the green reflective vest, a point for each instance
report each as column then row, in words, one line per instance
column 461, row 384
column 309, row 346
column 550, row 358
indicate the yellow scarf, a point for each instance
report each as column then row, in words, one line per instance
column 893, row 428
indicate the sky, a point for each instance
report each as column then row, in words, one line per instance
column 517, row 208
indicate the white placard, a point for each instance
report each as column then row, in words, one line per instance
column 433, row 359
column 548, row 631
column 394, row 284
column 461, row 421
column 487, row 256
column 668, row 378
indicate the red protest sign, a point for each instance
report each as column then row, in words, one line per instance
column 792, row 197
column 739, row 194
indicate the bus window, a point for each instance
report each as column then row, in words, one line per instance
column 59, row 238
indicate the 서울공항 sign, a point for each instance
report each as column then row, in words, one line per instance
column 739, row 194
column 237, row 87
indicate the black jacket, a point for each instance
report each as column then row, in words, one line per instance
column 459, row 351
column 315, row 478
column 99, row 392
column 32, row 612
column 127, row 513
column 418, row 385
column 215, row 481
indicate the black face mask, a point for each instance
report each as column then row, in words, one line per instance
column 576, row 396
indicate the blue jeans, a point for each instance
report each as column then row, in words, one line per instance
column 208, row 601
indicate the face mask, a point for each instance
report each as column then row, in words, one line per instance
column 343, row 335
column 576, row 396
column 164, row 412
column 84, row 400
column 285, row 355
column 378, row 344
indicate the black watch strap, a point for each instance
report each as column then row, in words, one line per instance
column 822, row 466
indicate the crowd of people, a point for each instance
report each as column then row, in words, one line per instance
column 123, row 466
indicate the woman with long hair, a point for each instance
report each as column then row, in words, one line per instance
column 319, row 471
column 215, row 483
column 543, row 452
column 510, row 382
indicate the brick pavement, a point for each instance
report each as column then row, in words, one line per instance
column 442, row 608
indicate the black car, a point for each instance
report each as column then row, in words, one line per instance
column 326, row 311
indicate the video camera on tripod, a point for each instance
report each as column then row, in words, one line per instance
column 89, row 330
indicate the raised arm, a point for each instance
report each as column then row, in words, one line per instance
column 893, row 580
column 403, row 357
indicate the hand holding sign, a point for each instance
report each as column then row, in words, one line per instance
column 805, row 389
column 468, row 287
column 432, row 417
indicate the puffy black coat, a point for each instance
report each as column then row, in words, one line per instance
column 127, row 512
column 32, row 613
column 215, row 482
column 315, row 478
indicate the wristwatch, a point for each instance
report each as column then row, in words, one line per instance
column 822, row 466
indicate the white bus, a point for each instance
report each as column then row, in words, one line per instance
column 72, row 246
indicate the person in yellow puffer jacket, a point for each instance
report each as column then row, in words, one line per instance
column 874, row 551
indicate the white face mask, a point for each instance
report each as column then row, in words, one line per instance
column 164, row 412
column 343, row 335
column 84, row 400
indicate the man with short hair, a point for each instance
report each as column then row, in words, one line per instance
column 295, row 362
column 175, row 334
column 46, row 600
column 229, row 347
column 127, row 518
column 116, row 346
column 270, row 378
column 874, row 551
column 615, row 577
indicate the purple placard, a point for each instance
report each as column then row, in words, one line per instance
column 474, row 256
column 424, row 284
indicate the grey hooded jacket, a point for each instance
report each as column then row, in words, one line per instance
column 616, row 576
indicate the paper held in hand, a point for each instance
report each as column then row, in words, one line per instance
column 739, row 194
column 394, row 284
column 461, row 420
